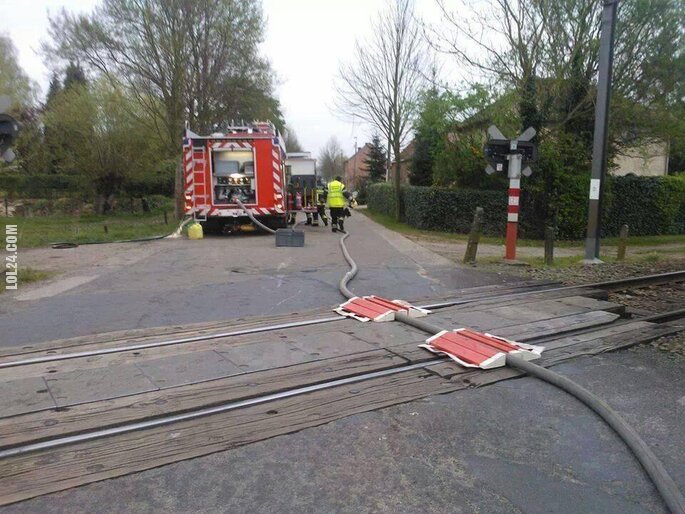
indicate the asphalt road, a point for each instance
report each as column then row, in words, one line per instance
column 518, row 446
column 103, row 288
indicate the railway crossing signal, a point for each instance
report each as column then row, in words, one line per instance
column 9, row 128
column 513, row 156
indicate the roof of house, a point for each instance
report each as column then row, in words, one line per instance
column 360, row 151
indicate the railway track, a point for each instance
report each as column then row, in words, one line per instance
column 277, row 400
column 613, row 285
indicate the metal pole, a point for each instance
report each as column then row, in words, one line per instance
column 513, row 207
column 600, row 140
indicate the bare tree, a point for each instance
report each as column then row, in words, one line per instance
column 292, row 144
column 197, row 61
column 382, row 83
column 547, row 51
column 331, row 159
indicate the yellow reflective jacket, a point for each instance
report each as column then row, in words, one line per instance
column 335, row 194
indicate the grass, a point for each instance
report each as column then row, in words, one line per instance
column 390, row 223
column 43, row 230
column 25, row 276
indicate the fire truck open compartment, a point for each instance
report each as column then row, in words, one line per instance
column 244, row 163
column 233, row 176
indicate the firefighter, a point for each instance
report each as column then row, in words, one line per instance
column 320, row 196
column 336, row 204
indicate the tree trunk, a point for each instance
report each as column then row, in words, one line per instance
column 179, row 204
column 99, row 203
column 398, row 181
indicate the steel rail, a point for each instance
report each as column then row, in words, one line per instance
column 156, row 344
column 208, row 337
column 675, row 276
column 611, row 285
column 227, row 407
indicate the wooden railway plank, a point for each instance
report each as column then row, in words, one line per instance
column 408, row 351
column 79, row 418
column 521, row 332
column 40, row 473
column 146, row 335
column 532, row 297
column 602, row 342
column 556, row 326
column 377, row 335
column 49, row 471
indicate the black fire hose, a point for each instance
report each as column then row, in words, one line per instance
column 652, row 465
column 350, row 274
column 252, row 218
column 61, row 245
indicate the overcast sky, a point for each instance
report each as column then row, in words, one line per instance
column 305, row 40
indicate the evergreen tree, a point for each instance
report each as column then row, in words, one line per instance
column 74, row 75
column 51, row 146
column 375, row 161
column 53, row 90
column 427, row 138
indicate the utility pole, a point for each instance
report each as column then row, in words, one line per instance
column 354, row 165
column 600, row 138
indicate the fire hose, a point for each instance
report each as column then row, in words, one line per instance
column 650, row 463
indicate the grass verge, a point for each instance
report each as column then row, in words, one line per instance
column 26, row 276
column 43, row 230
column 390, row 223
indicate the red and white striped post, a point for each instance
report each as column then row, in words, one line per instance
column 513, row 205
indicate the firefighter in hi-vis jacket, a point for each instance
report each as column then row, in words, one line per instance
column 336, row 203
column 319, row 199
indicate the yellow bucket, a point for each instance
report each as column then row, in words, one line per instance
column 195, row 231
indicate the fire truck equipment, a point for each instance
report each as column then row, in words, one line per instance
column 195, row 231
column 244, row 164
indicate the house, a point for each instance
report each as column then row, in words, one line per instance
column 354, row 168
column 649, row 160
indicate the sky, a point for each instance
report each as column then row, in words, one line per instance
column 305, row 41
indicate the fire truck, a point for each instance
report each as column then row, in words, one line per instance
column 246, row 162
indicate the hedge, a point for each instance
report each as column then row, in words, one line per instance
column 40, row 186
column 36, row 186
column 649, row 205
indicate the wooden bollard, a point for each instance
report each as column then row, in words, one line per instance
column 622, row 240
column 166, row 219
column 474, row 237
column 549, row 246
column 106, row 229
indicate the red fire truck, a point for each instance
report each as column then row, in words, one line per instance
column 246, row 162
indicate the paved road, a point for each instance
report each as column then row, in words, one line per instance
column 518, row 446
column 112, row 287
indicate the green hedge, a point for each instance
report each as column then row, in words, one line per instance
column 452, row 210
column 380, row 198
column 40, row 186
column 649, row 205
column 35, row 186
